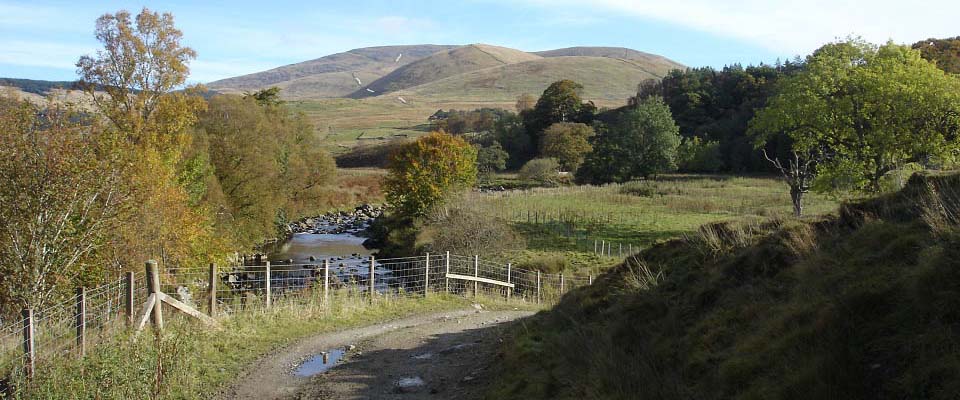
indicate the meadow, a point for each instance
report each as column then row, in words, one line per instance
column 572, row 222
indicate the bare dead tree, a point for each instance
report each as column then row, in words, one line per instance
column 798, row 174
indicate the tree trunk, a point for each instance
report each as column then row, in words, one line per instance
column 796, row 195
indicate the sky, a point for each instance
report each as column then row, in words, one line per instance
column 44, row 39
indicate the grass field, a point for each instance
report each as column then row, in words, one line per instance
column 571, row 221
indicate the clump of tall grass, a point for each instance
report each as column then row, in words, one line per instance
column 640, row 276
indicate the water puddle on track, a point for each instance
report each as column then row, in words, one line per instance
column 316, row 364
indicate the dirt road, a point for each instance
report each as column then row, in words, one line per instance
column 436, row 356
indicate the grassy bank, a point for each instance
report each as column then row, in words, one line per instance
column 196, row 362
column 861, row 305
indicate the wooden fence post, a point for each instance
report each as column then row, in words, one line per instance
column 212, row 304
column 426, row 277
column 561, row 284
column 509, row 289
column 29, row 351
column 326, row 282
column 620, row 251
column 153, row 280
column 447, row 280
column 476, row 274
column 603, row 243
column 372, row 277
column 82, row 320
column 538, row 287
column 590, row 279
column 267, row 281
column 128, row 301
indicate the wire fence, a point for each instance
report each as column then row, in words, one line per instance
column 94, row 315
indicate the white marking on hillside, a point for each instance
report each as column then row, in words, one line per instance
column 401, row 100
column 398, row 58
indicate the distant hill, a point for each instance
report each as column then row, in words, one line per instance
column 38, row 87
column 476, row 72
column 445, row 64
column 330, row 76
column 602, row 78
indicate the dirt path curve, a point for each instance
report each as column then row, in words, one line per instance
column 437, row 356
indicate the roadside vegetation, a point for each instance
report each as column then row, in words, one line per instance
column 857, row 305
column 187, row 361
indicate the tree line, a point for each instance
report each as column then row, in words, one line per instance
column 151, row 169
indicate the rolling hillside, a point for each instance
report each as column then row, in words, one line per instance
column 444, row 64
column 330, row 76
column 475, row 72
column 602, row 78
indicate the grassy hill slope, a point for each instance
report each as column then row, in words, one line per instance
column 444, row 64
column 330, row 76
column 863, row 305
column 602, row 78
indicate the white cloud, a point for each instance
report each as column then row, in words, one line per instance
column 793, row 26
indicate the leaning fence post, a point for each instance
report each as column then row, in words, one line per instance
column 538, row 287
column 81, row 320
column 426, row 277
column 29, row 351
column 128, row 301
column 267, row 280
column 447, row 276
column 153, row 280
column 212, row 304
column 509, row 289
column 373, row 277
column 476, row 274
column 326, row 282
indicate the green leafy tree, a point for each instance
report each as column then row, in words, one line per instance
column 860, row 111
column 568, row 143
column 560, row 102
column 696, row 155
column 544, row 171
column 491, row 158
column 640, row 143
column 424, row 173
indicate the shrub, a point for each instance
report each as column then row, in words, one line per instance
column 461, row 228
column 544, row 171
column 695, row 155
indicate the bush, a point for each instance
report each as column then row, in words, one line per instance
column 544, row 171
column 462, row 229
column 640, row 188
column 695, row 155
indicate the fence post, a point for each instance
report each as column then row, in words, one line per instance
column 153, row 280
column 594, row 246
column 561, row 284
column 128, row 301
column 603, row 243
column 212, row 305
column 326, row 281
column 267, row 280
column 372, row 277
column 538, row 287
column 29, row 352
column 476, row 274
column 447, row 280
column 81, row 320
column 509, row 289
column 620, row 251
column 426, row 277
column 590, row 279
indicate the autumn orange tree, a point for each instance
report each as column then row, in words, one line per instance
column 423, row 173
column 135, row 82
column 60, row 197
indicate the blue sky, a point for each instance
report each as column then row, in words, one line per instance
column 43, row 39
